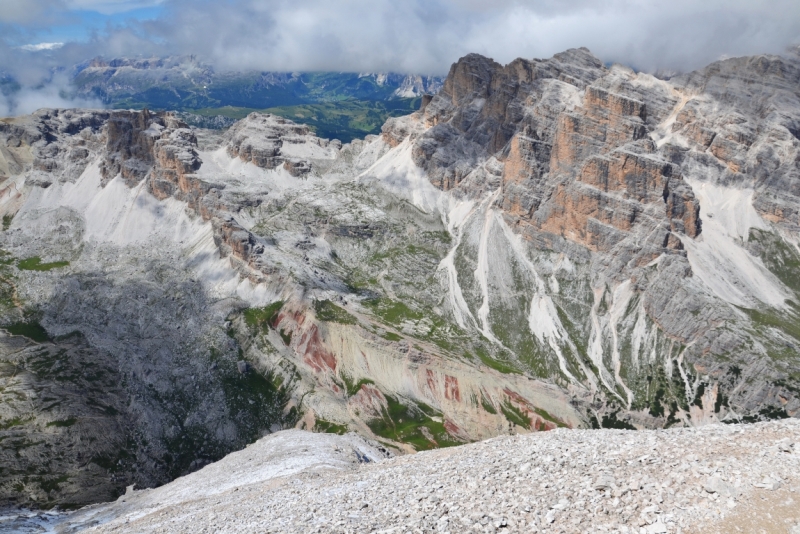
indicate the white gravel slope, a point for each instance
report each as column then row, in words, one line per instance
column 719, row 478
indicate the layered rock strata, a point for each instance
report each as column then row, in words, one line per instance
column 613, row 162
column 551, row 243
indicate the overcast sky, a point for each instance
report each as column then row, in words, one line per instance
column 420, row 36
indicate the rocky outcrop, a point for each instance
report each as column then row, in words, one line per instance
column 51, row 144
column 744, row 114
column 547, row 243
column 80, row 414
column 553, row 148
column 612, row 161
column 130, row 139
column 93, row 395
column 269, row 142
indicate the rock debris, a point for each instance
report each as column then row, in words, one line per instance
column 712, row 479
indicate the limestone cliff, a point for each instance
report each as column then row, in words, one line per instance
column 675, row 193
column 547, row 243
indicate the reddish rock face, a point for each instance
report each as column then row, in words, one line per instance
column 578, row 161
column 596, row 182
column 451, row 388
column 369, row 401
column 538, row 422
column 314, row 351
column 607, row 164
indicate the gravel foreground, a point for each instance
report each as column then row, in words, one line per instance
column 720, row 478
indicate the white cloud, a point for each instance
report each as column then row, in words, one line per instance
column 28, row 11
column 53, row 94
column 428, row 35
column 421, row 36
column 41, row 46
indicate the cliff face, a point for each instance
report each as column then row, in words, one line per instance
column 676, row 188
column 547, row 243
column 269, row 141
column 674, row 193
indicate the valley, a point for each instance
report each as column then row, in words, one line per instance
column 549, row 244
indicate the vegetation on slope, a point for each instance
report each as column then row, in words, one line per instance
column 344, row 120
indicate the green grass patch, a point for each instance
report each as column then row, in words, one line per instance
column 392, row 311
column 487, row 405
column 263, row 318
column 779, row 257
column 7, row 221
column 286, row 336
column 11, row 423
column 355, row 388
column 611, row 421
column 32, row 330
column 787, row 322
column 445, row 335
column 35, row 264
column 352, row 387
column 326, row 310
column 53, row 484
column 544, row 414
column 770, row 413
column 345, row 119
column 328, row 427
column 408, row 250
column 515, row 415
column 498, row 365
column 442, row 236
column 405, row 424
column 391, row 336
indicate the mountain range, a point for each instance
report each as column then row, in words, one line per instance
column 548, row 243
column 336, row 105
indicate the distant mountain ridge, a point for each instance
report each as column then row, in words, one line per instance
column 186, row 83
column 340, row 105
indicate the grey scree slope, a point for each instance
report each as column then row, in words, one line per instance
column 718, row 478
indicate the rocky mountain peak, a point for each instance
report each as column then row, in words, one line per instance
column 548, row 243
column 269, row 141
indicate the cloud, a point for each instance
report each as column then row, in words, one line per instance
column 54, row 93
column 421, row 36
column 38, row 47
column 427, row 36
column 29, row 11
column 108, row 7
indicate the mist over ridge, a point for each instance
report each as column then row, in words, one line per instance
column 376, row 36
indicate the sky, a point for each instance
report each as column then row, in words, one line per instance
column 408, row 36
